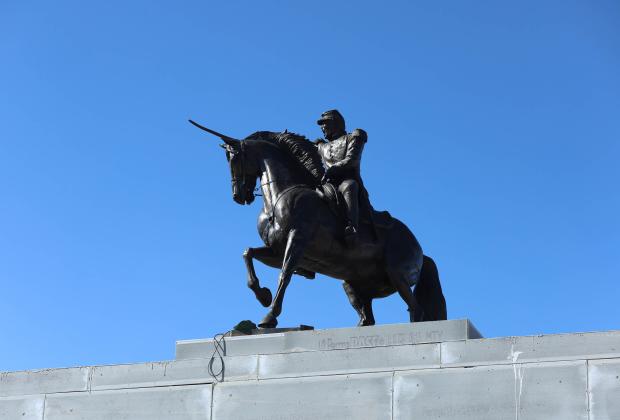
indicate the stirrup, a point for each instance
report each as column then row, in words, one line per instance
column 350, row 236
column 350, row 230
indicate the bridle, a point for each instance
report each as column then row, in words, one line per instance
column 243, row 183
column 242, row 168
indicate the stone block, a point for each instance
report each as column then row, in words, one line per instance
column 341, row 397
column 531, row 349
column 234, row 346
column 180, row 372
column 43, row 381
column 424, row 371
column 604, row 389
column 161, row 403
column 537, row 391
column 334, row 339
column 22, row 408
column 370, row 359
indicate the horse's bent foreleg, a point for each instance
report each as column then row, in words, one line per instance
column 275, row 261
column 266, row 256
column 295, row 247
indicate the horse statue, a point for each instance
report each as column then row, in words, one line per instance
column 303, row 234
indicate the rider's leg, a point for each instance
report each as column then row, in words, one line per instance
column 349, row 188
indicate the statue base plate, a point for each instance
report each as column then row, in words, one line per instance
column 275, row 340
column 260, row 331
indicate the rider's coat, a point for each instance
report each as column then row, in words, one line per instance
column 345, row 152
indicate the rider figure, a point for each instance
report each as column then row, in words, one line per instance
column 342, row 154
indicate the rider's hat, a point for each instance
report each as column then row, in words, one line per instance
column 333, row 115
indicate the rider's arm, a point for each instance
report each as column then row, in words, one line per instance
column 355, row 147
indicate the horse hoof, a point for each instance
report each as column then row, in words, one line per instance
column 269, row 321
column 416, row 316
column 264, row 296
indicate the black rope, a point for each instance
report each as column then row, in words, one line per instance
column 220, row 350
column 219, row 347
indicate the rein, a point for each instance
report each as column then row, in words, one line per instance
column 286, row 190
column 261, row 185
column 234, row 178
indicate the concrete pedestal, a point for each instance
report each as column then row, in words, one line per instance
column 434, row 370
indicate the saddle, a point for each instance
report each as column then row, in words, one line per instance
column 379, row 219
column 375, row 219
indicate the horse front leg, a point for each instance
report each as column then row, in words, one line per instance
column 265, row 255
column 295, row 247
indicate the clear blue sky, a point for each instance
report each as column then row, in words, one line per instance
column 494, row 134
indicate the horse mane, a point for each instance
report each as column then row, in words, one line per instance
column 299, row 148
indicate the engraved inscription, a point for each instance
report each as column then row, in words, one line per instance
column 379, row 340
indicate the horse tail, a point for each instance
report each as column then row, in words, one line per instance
column 429, row 294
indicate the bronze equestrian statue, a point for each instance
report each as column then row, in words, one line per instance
column 305, row 228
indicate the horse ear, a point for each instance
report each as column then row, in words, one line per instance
column 233, row 143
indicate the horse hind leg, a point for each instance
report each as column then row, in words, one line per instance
column 401, row 281
column 361, row 304
column 367, row 310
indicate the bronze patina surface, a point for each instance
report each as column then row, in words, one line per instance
column 317, row 218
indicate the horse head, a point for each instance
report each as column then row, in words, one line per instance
column 243, row 171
